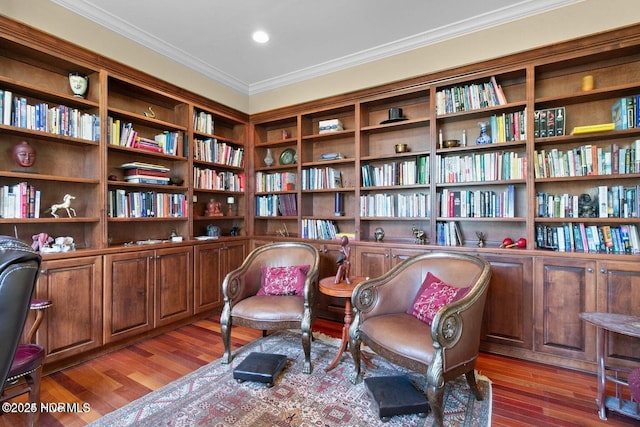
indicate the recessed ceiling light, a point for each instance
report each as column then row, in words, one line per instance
column 260, row 37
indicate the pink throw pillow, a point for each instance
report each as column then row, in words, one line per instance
column 283, row 280
column 434, row 294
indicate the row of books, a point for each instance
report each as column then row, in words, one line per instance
column 124, row 135
column 625, row 112
column 615, row 201
column 59, row 119
column 507, row 127
column 145, row 204
column 406, row 172
column 203, row 122
column 549, row 122
column 211, row 150
column 319, row 229
column 470, row 97
column 587, row 160
column 477, row 203
column 412, row 205
column 321, row 178
column 580, row 237
column 21, row 200
column 448, row 234
column 275, row 181
column 276, row 205
column 209, row 179
column 475, row 167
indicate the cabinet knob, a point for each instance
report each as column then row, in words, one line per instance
column 386, row 255
column 603, row 270
column 43, row 272
column 590, row 270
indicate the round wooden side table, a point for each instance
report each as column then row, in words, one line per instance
column 341, row 290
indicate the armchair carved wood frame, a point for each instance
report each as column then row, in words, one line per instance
column 243, row 307
column 443, row 351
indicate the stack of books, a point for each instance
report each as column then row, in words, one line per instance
column 145, row 173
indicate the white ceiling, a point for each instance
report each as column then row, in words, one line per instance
column 308, row 38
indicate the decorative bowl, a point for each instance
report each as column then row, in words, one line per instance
column 401, row 148
column 450, row 143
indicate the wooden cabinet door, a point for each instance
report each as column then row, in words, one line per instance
column 371, row 261
column 208, row 277
column 128, row 294
column 564, row 288
column 399, row 255
column 233, row 254
column 508, row 314
column 619, row 292
column 173, row 284
column 73, row 324
column 213, row 262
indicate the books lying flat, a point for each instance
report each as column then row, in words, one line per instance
column 147, row 179
column 331, row 156
column 603, row 127
column 142, row 165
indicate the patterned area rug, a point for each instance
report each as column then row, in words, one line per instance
column 210, row 396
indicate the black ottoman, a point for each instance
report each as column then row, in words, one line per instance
column 396, row 395
column 260, row 367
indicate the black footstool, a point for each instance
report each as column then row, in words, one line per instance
column 260, row 367
column 396, row 395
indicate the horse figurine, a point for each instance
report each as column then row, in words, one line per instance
column 66, row 205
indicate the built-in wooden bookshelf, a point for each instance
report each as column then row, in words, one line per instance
column 496, row 197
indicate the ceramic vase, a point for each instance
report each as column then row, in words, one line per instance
column 79, row 84
column 268, row 159
column 484, row 137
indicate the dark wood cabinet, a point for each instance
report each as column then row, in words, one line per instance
column 508, row 315
column 73, row 324
column 619, row 292
column 128, row 294
column 563, row 289
column 173, row 284
column 212, row 263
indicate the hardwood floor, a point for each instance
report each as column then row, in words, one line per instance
column 524, row 393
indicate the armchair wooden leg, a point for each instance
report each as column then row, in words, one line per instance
column 306, row 346
column 225, row 331
column 436, row 402
column 473, row 385
column 354, row 346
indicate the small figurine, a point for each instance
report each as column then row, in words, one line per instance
column 66, row 205
column 481, row 239
column 149, row 113
column 379, row 234
column 24, row 154
column 344, row 265
column 40, row 241
column 419, row 235
column 214, row 208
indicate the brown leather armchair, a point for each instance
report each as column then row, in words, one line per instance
column 268, row 312
column 441, row 351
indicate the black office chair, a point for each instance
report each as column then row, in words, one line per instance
column 19, row 267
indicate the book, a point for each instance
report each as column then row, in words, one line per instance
column 146, row 172
column 602, row 127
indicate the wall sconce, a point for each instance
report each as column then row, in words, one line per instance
column 231, row 211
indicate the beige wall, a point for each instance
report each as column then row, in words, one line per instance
column 579, row 19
